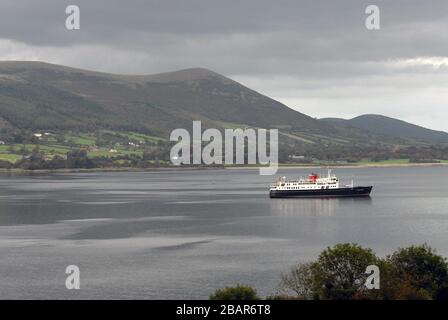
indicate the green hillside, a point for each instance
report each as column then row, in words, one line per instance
column 48, row 111
column 398, row 128
column 41, row 96
column 390, row 128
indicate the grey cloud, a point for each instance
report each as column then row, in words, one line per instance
column 319, row 47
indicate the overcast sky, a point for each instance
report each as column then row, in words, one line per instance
column 315, row 56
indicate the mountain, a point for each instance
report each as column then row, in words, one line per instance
column 392, row 128
column 37, row 95
column 40, row 96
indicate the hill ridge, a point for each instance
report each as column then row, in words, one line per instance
column 392, row 127
column 37, row 95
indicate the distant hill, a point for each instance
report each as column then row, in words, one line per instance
column 393, row 128
column 41, row 96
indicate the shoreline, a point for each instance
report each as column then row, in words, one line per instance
column 251, row 167
column 367, row 165
column 98, row 170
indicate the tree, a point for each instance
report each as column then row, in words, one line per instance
column 79, row 159
column 23, row 151
column 5, row 164
column 34, row 161
column 421, row 267
column 299, row 281
column 339, row 272
column 413, row 273
column 57, row 162
column 36, row 151
column 240, row 292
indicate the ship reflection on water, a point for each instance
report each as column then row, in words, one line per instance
column 317, row 206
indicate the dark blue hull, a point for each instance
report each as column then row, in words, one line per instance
column 324, row 193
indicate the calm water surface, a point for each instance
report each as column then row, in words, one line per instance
column 182, row 234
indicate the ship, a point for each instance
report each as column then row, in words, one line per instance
column 316, row 187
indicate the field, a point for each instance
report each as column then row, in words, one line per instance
column 122, row 145
column 385, row 162
column 130, row 143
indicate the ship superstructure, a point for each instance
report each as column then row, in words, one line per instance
column 315, row 186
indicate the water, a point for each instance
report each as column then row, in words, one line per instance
column 182, row 234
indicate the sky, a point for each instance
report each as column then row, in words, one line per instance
column 315, row 56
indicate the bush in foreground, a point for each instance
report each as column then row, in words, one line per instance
column 418, row 269
column 240, row 292
column 413, row 273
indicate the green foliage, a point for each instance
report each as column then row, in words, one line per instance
column 5, row 164
column 240, row 292
column 104, row 149
column 79, row 159
column 421, row 267
column 339, row 272
column 413, row 273
column 57, row 98
column 10, row 158
column 298, row 281
column 95, row 111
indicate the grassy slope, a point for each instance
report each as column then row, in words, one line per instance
column 76, row 141
column 42, row 96
column 39, row 96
